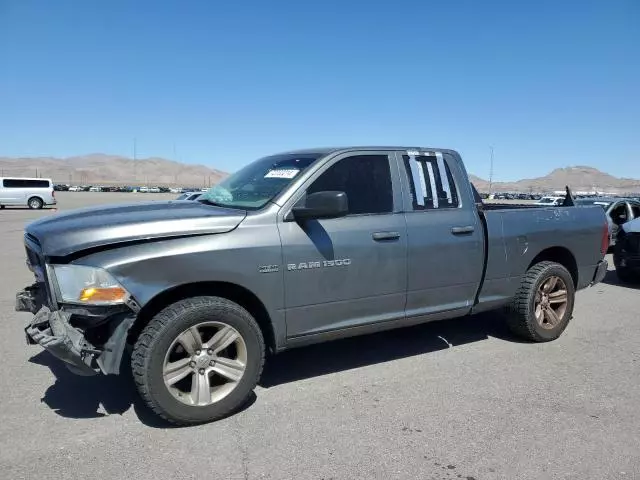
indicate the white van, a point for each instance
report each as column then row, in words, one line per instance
column 31, row 192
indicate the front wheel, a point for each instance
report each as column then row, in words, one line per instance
column 198, row 360
column 543, row 305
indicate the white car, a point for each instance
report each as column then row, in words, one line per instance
column 550, row 201
column 190, row 196
column 75, row 188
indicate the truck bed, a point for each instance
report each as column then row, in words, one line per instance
column 509, row 206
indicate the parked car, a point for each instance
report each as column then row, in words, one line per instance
column 75, row 188
column 34, row 193
column 293, row 249
column 626, row 254
column 190, row 196
column 618, row 211
column 550, row 201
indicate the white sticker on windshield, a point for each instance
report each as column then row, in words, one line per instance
column 282, row 173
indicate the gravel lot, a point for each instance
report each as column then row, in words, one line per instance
column 452, row 400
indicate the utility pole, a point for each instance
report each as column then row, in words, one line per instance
column 491, row 171
column 135, row 154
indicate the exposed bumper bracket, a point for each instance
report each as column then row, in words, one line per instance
column 52, row 331
column 601, row 271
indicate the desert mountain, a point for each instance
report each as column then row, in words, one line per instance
column 101, row 169
column 579, row 178
column 104, row 169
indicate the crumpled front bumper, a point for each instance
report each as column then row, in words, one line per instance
column 53, row 331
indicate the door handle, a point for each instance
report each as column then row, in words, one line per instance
column 379, row 236
column 462, row 230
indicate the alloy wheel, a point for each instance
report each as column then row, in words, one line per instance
column 551, row 302
column 205, row 363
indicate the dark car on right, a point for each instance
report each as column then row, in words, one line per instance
column 619, row 211
column 626, row 255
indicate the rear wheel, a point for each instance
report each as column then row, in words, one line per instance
column 35, row 203
column 543, row 305
column 627, row 276
column 198, row 360
column 624, row 274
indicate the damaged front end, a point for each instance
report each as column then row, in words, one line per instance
column 87, row 330
column 88, row 342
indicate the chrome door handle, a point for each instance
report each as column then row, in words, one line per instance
column 462, row 230
column 379, row 236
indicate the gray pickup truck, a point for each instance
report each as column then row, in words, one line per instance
column 295, row 248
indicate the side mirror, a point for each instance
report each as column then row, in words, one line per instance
column 322, row 205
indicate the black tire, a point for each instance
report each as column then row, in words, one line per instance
column 521, row 313
column 627, row 276
column 35, row 203
column 149, row 352
column 624, row 274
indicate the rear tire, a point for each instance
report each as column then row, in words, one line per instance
column 541, row 316
column 624, row 274
column 627, row 276
column 35, row 203
column 168, row 349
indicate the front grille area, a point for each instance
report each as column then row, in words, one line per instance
column 36, row 263
column 33, row 259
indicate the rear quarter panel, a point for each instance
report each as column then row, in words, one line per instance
column 518, row 236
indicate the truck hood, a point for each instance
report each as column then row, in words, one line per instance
column 67, row 233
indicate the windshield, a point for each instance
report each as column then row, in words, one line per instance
column 258, row 183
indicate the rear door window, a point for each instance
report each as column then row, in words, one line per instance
column 430, row 180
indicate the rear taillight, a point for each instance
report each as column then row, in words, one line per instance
column 605, row 239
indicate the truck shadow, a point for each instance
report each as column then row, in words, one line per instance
column 347, row 354
column 80, row 397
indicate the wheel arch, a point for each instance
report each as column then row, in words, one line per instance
column 236, row 293
column 562, row 256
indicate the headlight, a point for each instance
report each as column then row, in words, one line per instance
column 88, row 285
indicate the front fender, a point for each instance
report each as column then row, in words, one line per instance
column 148, row 270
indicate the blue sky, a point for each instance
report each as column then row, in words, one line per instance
column 548, row 83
